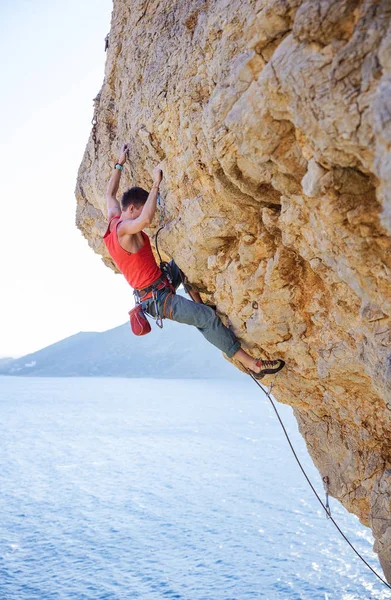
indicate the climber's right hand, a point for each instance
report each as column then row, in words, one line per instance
column 157, row 175
column 124, row 152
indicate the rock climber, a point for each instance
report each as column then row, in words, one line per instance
column 131, row 251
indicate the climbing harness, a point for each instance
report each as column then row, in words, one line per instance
column 152, row 292
column 325, row 506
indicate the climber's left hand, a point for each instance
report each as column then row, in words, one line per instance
column 124, row 153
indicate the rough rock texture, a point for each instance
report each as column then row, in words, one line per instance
column 273, row 122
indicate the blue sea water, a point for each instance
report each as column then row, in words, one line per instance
column 115, row 489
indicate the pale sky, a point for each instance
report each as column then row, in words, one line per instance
column 52, row 285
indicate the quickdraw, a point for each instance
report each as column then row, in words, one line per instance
column 326, row 483
column 159, row 318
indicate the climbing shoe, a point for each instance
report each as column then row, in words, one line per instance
column 268, row 367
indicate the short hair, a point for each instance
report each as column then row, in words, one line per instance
column 136, row 196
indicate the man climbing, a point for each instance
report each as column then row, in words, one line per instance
column 131, row 251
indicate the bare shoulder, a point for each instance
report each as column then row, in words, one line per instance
column 113, row 222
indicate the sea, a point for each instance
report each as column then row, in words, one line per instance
column 114, row 489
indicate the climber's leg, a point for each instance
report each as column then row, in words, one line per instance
column 210, row 325
column 180, row 309
column 195, row 296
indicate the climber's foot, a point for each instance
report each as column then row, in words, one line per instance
column 267, row 367
column 259, row 368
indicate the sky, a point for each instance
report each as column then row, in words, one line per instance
column 52, row 285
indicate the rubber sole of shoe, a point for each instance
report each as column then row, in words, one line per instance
column 270, row 371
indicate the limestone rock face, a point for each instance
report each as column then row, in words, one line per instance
column 273, row 122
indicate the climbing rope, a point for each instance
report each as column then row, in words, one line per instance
column 162, row 224
column 325, row 507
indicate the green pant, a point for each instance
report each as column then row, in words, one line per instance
column 180, row 309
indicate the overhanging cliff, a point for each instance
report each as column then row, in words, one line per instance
column 273, row 122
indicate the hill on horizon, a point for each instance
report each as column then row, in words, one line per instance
column 176, row 351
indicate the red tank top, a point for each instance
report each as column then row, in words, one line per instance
column 139, row 268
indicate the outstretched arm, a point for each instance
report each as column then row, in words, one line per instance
column 113, row 207
column 149, row 209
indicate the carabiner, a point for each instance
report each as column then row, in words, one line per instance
column 159, row 320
